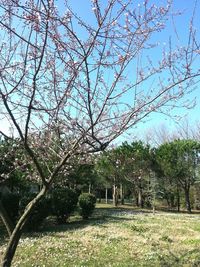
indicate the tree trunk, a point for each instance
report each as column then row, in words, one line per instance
column 6, row 219
column 167, row 199
column 197, row 196
column 187, row 199
column 16, row 234
column 135, row 194
column 122, row 194
column 178, row 200
column 140, row 198
column 171, row 200
column 89, row 188
column 153, row 208
column 115, row 196
column 106, row 195
column 99, row 195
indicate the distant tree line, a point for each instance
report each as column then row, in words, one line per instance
column 145, row 176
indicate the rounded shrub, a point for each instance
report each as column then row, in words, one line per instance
column 64, row 202
column 86, row 203
column 41, row 211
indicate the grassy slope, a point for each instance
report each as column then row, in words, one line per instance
column 115, row 237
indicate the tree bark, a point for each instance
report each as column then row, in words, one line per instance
column 6, row 219
column 167, row 199
column 135, row 194
column 171, row 201
column 178, row 200
column 153, row 207
column 197, row 196
column 89, row 188
column 122, row 194
column 99, row 195
column 115, row 196
column 187, row 199
column 140, row 198
column 17, row 232
column 106, row 195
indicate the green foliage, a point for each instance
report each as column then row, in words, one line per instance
column 86, row 203
column 10, row 202
column 84, row 175
column 14, row 167
column 7, row 154
column 178, row 159
column 64, row 201
column 41, row 211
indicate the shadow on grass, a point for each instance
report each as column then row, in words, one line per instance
column 96, row 220
column 3, row 233
column 190, row 258
column 100, row 218
column 130, row 206
column 3, row 240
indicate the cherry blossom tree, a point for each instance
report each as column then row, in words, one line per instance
column 66, row 77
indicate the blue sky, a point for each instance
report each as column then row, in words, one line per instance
column 192, row 115
column 180, row 25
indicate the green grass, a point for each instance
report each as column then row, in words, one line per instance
column 114, row 237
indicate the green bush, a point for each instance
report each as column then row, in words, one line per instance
column 10, row 202
column 64, row 202
column 40, row 212
column 86, row 203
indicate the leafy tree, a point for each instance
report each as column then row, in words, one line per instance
column 178, row 161
column 136, row 168
column 109, row 168
column 127, row 164
column 82, row 176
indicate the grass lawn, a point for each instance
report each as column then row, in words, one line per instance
column 114, row 237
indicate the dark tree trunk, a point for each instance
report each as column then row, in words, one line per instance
column 187, row 199
column 172, row 200
column 197, row 196
column 99, row 195
column 136, row 197
column 178, row 200
column 122, row 194
column 6, row 219
column 140, row 198
column 16, row 234
column 167, row 199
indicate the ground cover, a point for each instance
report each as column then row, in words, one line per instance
column 114, row 237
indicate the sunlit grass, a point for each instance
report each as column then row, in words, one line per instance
column 115, row 237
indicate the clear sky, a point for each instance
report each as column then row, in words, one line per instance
column 180, row 24
column 177, row 29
